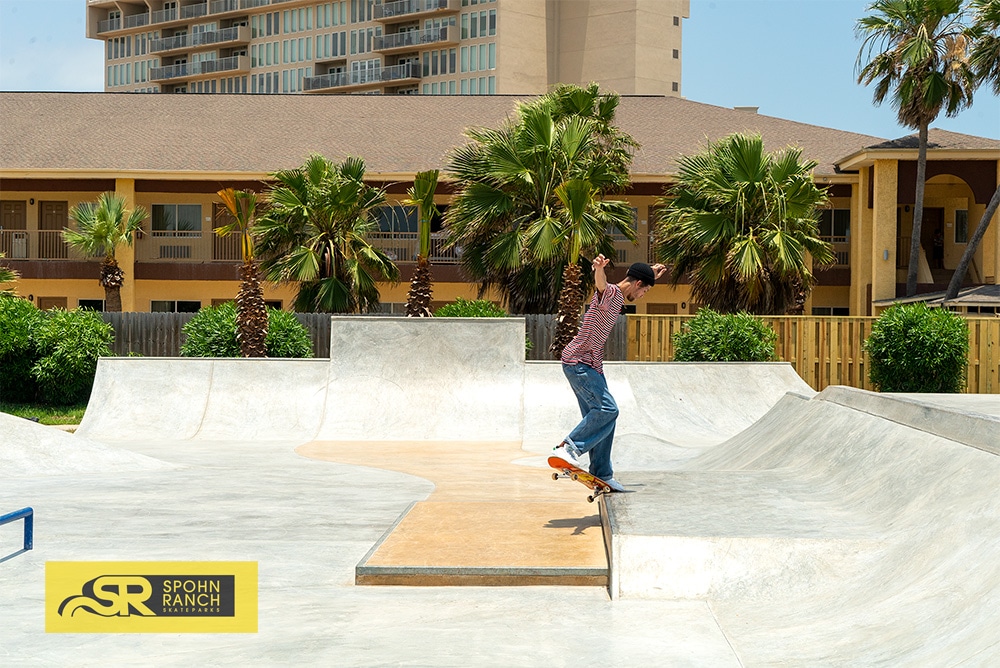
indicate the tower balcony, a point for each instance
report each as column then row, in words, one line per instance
column 346, row 82
column 414, row 40
column 404, row 10
column 192, row 41
column 199, row 70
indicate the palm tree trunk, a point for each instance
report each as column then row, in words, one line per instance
column 970, row 248
column 570, row 301
column 113, row 300
column 418, row 300
column 918, row 213
column 251, row 313
column 112, row 278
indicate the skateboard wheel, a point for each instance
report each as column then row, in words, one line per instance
column 575, row 477
column 555, row 476
column 590, row 499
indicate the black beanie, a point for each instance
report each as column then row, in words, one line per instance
column 642, row 272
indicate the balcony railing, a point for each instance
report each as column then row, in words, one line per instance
column 236, row 34
column 364, row 78
column 184, row 70
column 37, row 245
column 841, row 250
column 187, row 12
column 402, row 247
column 163, row 15
column 109, row 25
column 407, row 8
column 415, row 39
column 137, row 20
column 188, row 246
column 194, row 11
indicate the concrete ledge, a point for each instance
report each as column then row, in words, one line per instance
column 480, row 577
column 964, row 425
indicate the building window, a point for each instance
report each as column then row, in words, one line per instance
column 677, row 20
column 677, row 54
column 962, row 226
column 675, row 87
column 176, row 220
column 835, row 225
column 831, row 310
column 170, row 306
column 92, row 304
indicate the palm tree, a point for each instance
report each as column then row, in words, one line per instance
column 510, row 214
column 7, row 275
column 915, row 51
column 985, row 60
column 103, row 227
column 314, row 232
column 251, row 311
column 421, row 195
column 742, row 223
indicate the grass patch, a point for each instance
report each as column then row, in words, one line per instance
column 46, row 414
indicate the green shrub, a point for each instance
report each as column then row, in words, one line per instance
column 212, row 333
column 913, row 348
column 463, row 308
column 19, row 319
column 714, row 337
column 286, row 336
column 68, row 344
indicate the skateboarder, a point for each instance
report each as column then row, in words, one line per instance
column 582, row 363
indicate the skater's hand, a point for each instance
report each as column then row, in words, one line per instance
column 600, row 279
column 659, row 270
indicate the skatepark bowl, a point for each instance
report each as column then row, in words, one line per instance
column 396, row 501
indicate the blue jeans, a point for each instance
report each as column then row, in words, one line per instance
column 596, row 431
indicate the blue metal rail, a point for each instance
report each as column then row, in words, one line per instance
column 28, row 515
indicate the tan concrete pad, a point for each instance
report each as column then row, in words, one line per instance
column 488, row 521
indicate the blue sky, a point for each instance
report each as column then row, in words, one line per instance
column 792, row 58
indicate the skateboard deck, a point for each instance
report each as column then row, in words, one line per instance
column 566, row 470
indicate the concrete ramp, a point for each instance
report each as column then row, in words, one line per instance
column 140, row 398
column 834, row 531
column 438, row 379
column 669, row 412
column 28, row 450
column 420, row 379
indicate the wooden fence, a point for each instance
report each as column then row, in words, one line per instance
column 823, row 350
column 160, row 334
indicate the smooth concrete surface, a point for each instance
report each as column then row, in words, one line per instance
column 668, row 413
column 866, row 540
column 402, row 379
column 137, row 398
column 28, row 449
column 436, row 379
column 308, row 523
column 488, row 520
column 770, row 528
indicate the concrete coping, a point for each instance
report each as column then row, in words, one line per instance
column 969, row 427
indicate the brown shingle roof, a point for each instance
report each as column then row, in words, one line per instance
column 256, row 134
column 939, row 139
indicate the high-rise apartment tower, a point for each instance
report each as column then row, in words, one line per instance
column 406, row 47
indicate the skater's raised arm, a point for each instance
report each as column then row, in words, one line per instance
column 600, row 278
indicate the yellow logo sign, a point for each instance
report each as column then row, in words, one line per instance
column 151, row 597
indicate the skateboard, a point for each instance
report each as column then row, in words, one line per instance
column 566, row 470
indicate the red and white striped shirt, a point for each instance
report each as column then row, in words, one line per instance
column 588, row 344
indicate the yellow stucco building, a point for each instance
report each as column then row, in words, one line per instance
column 172, row 153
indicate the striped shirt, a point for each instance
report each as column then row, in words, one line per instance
column 588, row 345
